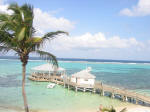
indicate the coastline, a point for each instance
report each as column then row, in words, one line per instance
column 130, row 108
column 81, row 60
column 134, row 108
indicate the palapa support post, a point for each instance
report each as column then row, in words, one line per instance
column 126, row 98
column 113, row 94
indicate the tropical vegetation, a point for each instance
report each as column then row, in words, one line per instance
column 17, row 34
column 112, row 110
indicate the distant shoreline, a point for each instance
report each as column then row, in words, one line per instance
column 85, row 60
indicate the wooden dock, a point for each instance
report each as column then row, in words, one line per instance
column 99, row 88
column 125, row 95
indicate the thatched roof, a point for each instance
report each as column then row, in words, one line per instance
column 85, row 74
column 47, row 68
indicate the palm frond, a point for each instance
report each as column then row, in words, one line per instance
column 5, row 37
column 49, row 36
column 108, row 109
column 47, row 56
column 16, row 32
column 14, row 7
column 33, row 40
column 5, row 22
column 112, row 110
column 52, row 35
column 124, row 110
column 4, row 49
column 28, row 11
column 21, row 34
column 4, row 17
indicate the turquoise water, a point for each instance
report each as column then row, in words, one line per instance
column 131, row 76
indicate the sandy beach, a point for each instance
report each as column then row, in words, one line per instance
column 130, row 108
column 134, row 108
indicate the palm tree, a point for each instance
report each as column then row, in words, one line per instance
column 17, row 34
column 112, row 110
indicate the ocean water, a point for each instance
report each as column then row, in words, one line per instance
column 129, row 75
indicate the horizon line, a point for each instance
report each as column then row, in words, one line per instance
column 87, row 59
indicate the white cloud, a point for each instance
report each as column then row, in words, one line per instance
column 3, row 8
column 44, row 21
column 93, row 42
column 141, row 9
column 98, row 46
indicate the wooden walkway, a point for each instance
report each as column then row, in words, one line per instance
column 125, row 95
column 102, row 89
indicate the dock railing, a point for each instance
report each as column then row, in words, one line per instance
column 124, row 94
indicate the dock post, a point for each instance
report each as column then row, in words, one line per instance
column 56, row 80
column 130, row 100
column 136, row 101
column 94, row 90
column 76, row 88
column 122, row 96
column 84, row 90
column 64, row 85
column 112, row 95
column 102, row 93
column 143, row 103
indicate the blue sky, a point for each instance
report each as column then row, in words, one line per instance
column 125, row 23
column 98, row 15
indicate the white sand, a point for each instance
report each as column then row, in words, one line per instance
column 130, row 108
column 135, row 108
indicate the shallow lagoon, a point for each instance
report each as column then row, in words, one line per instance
column 64, row 100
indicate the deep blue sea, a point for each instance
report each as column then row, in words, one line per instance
column 132, row 75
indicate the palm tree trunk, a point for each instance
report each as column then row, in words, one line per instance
column 23, row 87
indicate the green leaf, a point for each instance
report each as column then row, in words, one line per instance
column 36, row 39
column 47, row 56
column 21, row 35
